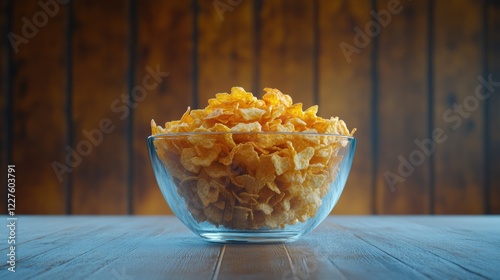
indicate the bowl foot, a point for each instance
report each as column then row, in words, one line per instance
column 250, row 237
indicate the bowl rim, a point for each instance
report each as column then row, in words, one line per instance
column 163, row 135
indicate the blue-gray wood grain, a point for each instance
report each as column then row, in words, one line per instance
column 145, row 247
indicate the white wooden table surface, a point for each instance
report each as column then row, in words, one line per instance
column 345, row 247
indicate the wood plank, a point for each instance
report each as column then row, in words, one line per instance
column 35, row 230
column 493, row 114
column 166, row 246
column 403, row 107
column 445, row 251
column 353, row 257
column 53, row 238
column 100, row 67
column 393, row 247
column 259, row 261
column 482, row 228
column 286, row 50
column 171, row 254
column 225, row 49
column 308, row 261
column 174, row 259
column 459, row 161
column 345, row 91
column 38, row 109
column 5, row 120
column 169, row 99
column 135, row 239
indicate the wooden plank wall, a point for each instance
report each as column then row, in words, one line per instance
column 78, row 92
column 4, row 88
column 491, row 113
column 345, row 89
column 99, row 79
column 169, row 99
column 39, row 76
column 401, row 89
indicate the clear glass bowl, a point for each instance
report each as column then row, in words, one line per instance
column 220, row 196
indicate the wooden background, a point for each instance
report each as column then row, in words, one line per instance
column 67, row 76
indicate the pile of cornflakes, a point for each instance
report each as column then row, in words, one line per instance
column 252, row 163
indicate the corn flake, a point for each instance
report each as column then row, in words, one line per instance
column 232, row 171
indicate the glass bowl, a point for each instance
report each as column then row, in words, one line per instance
column 257, row 187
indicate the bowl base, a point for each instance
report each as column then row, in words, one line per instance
column 251, row 237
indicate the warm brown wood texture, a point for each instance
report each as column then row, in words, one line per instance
column 493, row 107
column 402, row 92
column 340, row 248
column 159, row 24
column 286, row 48
column 345, row 90
column 38, row 108
column 459, row 160
column 100, row 112
column 225, row 49
column 4, row 156
column 89, row 63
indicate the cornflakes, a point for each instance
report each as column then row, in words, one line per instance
column 252, row 163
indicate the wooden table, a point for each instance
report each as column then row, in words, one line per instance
column 144, row 247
